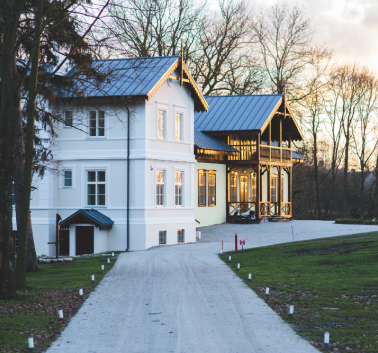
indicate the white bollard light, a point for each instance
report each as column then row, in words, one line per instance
column 60, row 314
column 229, row 258
column 81, row 293
column 92, row 279
column 291, row 310
column 102, row 268
column 249, row 276
column 31, row 344
column 267, row 291
column 326, row 340
column 108, row 261
column 112, row 254
column 238, row 266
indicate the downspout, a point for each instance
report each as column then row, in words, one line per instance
column 128, row 176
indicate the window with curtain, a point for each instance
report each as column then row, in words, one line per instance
column 212, row 188
column 178, row 188
column 253, row 188
column 273, row 188
column 178, row 127
column 201, row 188
column 160, row 187
column 160, row 124
column 233, row 188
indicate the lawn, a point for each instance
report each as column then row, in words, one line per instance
column 35, row 311
column 332, row 283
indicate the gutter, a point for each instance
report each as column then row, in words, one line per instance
column 128, row 177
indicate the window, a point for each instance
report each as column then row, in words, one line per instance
column 13, row 196
column 233, row 188
column 212, row 189
column 96, row 188
column 180, row 235
column 68, row 118
column 273, row 188
column 160, row 124
column 253, row 188
column 162, row 237
column 97, row 123
column 160, row 187
column 201, row 188
column 178, row 188
column 178, row 122
column 68, row 178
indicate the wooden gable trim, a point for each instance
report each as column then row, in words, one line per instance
column 189, row 80
column 274, row 111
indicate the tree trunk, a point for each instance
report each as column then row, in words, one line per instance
column 29, row 154
column 346, row 163
column 31, row 256
column 317, row 193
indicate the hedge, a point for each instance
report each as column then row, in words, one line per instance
column 356, row 221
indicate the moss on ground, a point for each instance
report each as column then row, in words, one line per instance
column 35, row 312
column 332, row 283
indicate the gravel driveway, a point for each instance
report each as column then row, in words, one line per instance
column 182, row 298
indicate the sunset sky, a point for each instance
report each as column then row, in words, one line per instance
column 350, row 27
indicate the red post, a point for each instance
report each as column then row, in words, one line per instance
column 236, row 243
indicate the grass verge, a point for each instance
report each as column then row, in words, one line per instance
column 332, row 283
column 35, row 312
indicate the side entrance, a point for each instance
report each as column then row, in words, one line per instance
column 84, row 240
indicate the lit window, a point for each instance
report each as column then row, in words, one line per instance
column 233, row 188
column 201, row 188
column 68, row 178
column 253, row 188
column 273, row 188
column 178, row 122
column 162, row 237
column 97, row 123
column 96, row 188
column 180, row 235
column 212, row 188
column 178, row 188
column 68, row 118
column 13, row 196
column 282, row 188
column 160, row 187
column 160, row 124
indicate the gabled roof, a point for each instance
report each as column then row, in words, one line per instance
column 90, row 216
column 134, row 77
column 242, row 112
column 204, row 141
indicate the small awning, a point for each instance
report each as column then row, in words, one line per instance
column 206, row 142
column 90, row 216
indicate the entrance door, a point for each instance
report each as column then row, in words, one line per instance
column 244, row 193
column 84, row 240
column 64, row 248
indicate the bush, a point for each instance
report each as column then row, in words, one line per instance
column 356, row 221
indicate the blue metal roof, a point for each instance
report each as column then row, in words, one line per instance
column 234, row 113
column 204, row 141
column 91, row 215
column 124, row 77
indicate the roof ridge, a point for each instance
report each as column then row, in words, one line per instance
column 245, row 95
column 142, row 57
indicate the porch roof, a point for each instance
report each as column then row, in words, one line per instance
column 90, row 216
column 204, row 141
column 243, row 112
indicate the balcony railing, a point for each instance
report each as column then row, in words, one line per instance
column 275, row 154
column 246, row 153
column 240, row 207
column 272, row 209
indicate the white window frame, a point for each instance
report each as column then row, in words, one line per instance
column 182, row 187
column 164, row 136
column 164, row 191
column 96, row 183
column 64, row 118
column 179, row 110
column 64, row 178
column 95, row 167
column 97, row 136
column 62, row 169
column 182, row 235
column 165, row 237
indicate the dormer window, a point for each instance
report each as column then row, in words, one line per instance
column 96, row 123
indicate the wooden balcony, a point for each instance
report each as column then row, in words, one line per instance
column 275, row 154
column 246, row 153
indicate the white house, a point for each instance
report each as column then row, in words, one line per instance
column 176, row 167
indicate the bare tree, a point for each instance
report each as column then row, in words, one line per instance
column 285, row 46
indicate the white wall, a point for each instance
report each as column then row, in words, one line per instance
column 214, row 214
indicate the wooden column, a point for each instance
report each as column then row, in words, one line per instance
column 280, row 142
column 290, row 190
column 268, row 184
column 258, row 194
column 270, row 141
column 258, row 146
column 227, row 193
column 279, row 191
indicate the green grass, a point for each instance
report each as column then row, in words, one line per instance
column 332, row 283
column 35, row 311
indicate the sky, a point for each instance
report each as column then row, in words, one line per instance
column 350, row 27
